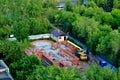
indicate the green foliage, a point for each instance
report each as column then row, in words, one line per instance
column 20, row 17
column 116, row 4
column 31, row 68
column 116, row 14
column 24, row 67
column 93, row 12
column 5, row 26
column 93, row 4
column 21, row 29
column 110, row 18
column 4, row 48
column 38, row 26
column 98, row 73
column 107, row 18
column 87, row 31
column 82, row 26
column 34, row 8
column 98, row 29
column 105, row 4
column 5, row 31
column 118, row 73
column 26, row 8
column 35, row 26
column 78, row 2
column 110, row 44
column 49, row 4
column 69, row 5
column 104, row 30
column 65, row 18
column 12, row 51
column 94, row 29
column 48, row 27
column 54, row 73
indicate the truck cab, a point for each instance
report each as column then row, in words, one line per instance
column 81, row 54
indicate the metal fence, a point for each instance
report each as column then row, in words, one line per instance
column 33, row 37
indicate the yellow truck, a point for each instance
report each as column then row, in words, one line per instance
column 80, row 52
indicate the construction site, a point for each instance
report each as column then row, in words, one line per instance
column 60, row 53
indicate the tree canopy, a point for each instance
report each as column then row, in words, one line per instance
column 96, row 25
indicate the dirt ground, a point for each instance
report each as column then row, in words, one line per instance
column 86, row 65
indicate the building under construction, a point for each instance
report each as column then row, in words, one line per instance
column 58, row 53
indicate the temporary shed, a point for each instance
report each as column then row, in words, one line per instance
column 58, row 35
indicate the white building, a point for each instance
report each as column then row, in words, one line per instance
column 58, row 35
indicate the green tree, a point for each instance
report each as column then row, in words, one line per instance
column 54, row 73
column 66, row 19
column 79, row 9
column 4, row 49
column 69, row 5
column 34, row 8
column 13, row 51
column 93, row 12
column 107, row 18
column 105, row 4
column 21, row 29
column 99, row 73
column 118, row 73
column 48, row 27
column 5, row 31
column 23, row 68
column 116, row 4
column 109, row 45
column 92, row 39
column 5, row 26
column 50, row 4
column 83, row 26
column 78, row 2
column 116, row 14
column 105, row 29
column 118, row 60
column 36, row 26
column 25, row 8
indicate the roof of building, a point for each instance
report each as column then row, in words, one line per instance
column 4, row 71
column 58, row 33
